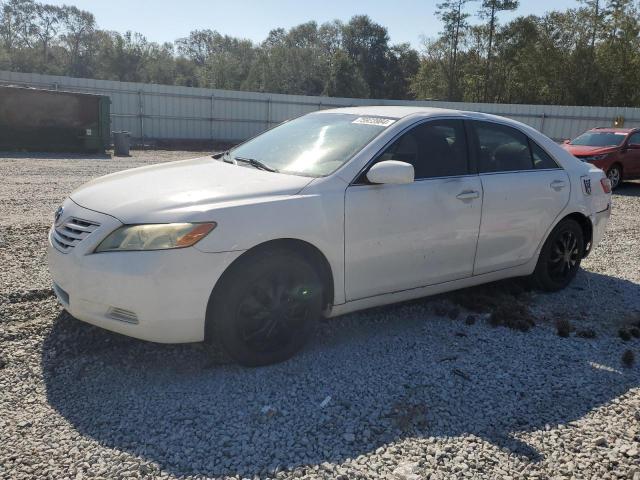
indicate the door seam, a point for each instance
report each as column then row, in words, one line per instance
column 475, row 255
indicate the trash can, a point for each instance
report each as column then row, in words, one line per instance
column 121, row 144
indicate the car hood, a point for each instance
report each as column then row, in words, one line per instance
column 583, row 151
column 181, row 191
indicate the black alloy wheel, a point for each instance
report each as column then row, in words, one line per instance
column 265, row 308
column 273, row 311
column 560, row 257
column 564, row 257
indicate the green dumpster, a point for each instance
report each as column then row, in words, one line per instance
column 53, row 121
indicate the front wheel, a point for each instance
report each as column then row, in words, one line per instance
column 614, row 174
column 560, row 257
column 266, row 307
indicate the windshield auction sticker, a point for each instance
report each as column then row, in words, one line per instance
column 379, row 121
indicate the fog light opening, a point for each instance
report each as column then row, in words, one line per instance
column 122, row 315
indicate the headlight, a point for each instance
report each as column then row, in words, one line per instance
column 155, row 237
column 595, row 158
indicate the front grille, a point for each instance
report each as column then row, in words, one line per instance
column 71, row 232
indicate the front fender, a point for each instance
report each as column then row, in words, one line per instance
column 313, row 218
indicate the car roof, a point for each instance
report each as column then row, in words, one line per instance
column 399, row 112
column 395, row 111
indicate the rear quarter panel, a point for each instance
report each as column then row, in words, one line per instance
column 587, row 204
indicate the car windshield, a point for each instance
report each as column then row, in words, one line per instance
column 312, row 145
column 599, row 139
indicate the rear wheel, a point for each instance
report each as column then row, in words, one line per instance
column 266, row 307
column 560, row 257
column 614, row 174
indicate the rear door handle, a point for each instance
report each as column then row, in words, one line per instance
column 468, row 195
column 558, row 184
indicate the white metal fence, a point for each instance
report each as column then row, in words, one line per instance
column 151, row 111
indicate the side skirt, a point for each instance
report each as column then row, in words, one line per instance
column 404, row 295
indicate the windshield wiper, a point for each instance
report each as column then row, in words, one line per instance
column 223, row 156
column 255, row 163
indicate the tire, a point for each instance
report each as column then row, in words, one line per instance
column 266, row 307
column 614, row 174
column 560, row 257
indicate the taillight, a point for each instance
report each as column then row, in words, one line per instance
column 606, row 184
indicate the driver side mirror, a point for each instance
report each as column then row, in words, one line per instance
column 391, row 172
column 566, row 142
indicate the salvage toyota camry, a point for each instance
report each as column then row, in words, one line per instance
column 332, row 212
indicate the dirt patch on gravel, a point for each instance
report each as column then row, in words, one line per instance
column 506, row 303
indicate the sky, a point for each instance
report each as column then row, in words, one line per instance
column 167, row 20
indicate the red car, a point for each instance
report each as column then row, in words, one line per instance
column 614, row 150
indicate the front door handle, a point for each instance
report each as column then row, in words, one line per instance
column 558, row 184
column 468, row 195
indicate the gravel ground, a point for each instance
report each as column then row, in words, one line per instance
column 400, row 392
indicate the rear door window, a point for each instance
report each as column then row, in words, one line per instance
column 501, row 148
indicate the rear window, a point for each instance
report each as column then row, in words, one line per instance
column 541, row 159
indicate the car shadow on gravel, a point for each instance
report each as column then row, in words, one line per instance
column 367, row 380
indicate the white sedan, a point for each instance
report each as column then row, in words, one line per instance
column 332, row 212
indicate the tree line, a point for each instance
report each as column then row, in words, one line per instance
column 588, row 55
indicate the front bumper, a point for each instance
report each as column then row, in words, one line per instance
column 159, row 296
